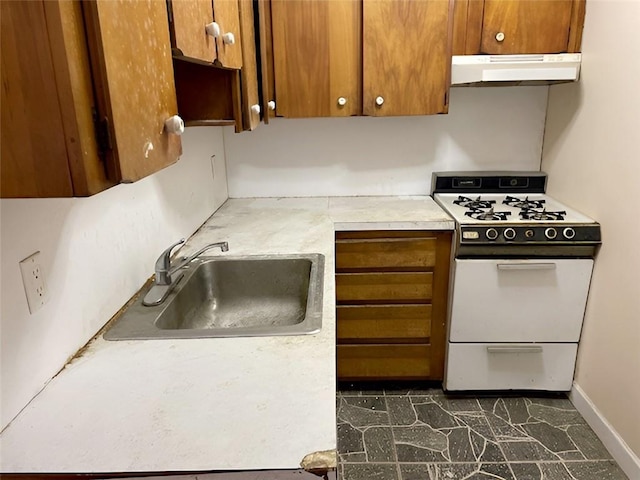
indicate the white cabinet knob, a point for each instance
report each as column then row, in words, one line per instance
column 379, row 101
column 271, row 104
column 255, row 109
column 212, row 29
column 174, row 125
column 228, row 38
column 342, row 101
column 500, row 36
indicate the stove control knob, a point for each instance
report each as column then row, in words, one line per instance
column 569, row 233
column 491, row 233
column 550, row 233
column 529, row 233
column 509, row 233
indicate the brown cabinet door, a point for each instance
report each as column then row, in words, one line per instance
column 525, row 26
column 188, row 35
column 229, row 43
column 133, row 73
column 249, row 74
column 406, row 56
column 316, row 55
column 34, row 158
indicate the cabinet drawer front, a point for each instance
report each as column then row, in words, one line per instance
column 386, row 253
column 383, row 323
column 362, row 362
column 486, row 366
column 384, row 287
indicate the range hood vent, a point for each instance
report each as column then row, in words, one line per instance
column 515, row 69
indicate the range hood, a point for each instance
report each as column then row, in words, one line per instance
column 515, row 69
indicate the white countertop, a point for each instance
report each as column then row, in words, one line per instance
column 218, row 403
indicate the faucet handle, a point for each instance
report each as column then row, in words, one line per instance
column 163, row 264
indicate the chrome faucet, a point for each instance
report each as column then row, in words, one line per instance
column 164, row 280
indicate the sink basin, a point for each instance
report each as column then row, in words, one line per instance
column 224, row 296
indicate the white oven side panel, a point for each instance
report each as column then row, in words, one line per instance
column 541, row 300
column 485, row 366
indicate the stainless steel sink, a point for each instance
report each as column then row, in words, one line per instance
column 232, row 297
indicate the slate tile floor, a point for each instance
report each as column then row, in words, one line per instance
column 406, row 433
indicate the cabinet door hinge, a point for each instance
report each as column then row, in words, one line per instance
column 103, row 135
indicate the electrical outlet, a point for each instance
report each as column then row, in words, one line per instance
column 33, row 281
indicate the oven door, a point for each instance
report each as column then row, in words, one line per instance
column 541, row 300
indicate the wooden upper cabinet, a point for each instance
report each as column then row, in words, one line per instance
column 188, row 22
column 518, row 26
column 229, row 43
column 208, row 31
column 265, row 42
column 407, row 57
column 354, row 57
column 34, row 156
column 86, row 92
column 135, row 85
column 525, row 27
column 49, row 142
column 217, row 86
column 251, row 108
column 316, row 56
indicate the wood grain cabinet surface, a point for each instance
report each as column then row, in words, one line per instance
column 391, row 296
column 188, row 21
column 498, row 27
column 229, row 44
column 71, row 125
column 355, row 57
column 215, row 62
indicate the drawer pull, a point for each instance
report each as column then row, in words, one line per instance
column 509, row 349
column 526, row 266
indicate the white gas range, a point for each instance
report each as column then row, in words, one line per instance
column 521, row 277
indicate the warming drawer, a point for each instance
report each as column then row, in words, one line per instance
column 541, row 300
column 496, row 366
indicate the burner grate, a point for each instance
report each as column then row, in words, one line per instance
column 525, row 204
column 487, row 215
column 474, row 204
column 529, row 214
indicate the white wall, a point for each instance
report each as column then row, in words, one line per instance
column 592, row 155
column 96, row 253
column 487, row 128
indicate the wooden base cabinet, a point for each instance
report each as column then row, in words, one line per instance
column 391, row 294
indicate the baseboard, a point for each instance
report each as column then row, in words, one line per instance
column 628, row 461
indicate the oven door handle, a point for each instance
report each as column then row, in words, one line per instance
column 527, row 266
column 515, row 349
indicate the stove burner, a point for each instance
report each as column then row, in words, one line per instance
column 474, row 204
column 541, row 215
column 487, row 214
column 525, row 204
